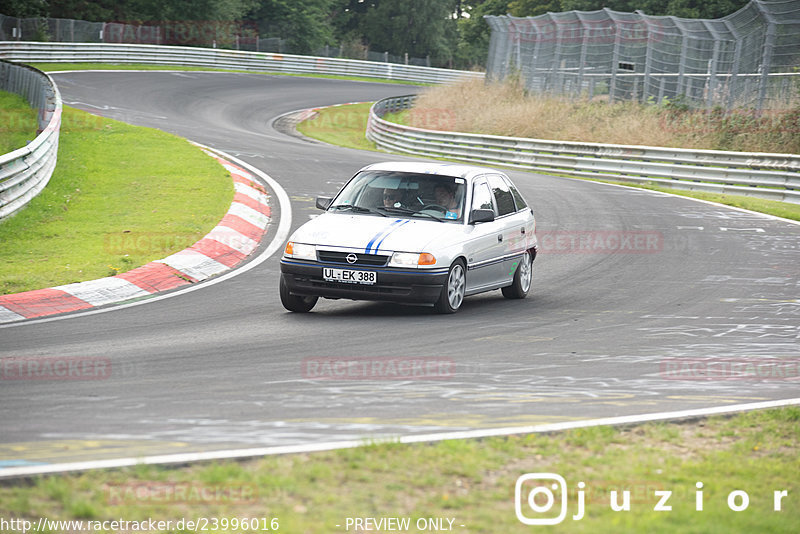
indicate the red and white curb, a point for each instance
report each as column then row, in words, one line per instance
column 235, row 237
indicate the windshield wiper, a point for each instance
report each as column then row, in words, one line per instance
column 357, row 209
column 429, row 215
column 392, row 209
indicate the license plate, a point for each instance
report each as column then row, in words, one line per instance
column 348, row 276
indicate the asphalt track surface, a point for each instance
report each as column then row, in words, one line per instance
column 226, row 367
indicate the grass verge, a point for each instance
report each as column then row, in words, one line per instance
column 121, row 196
column 18, row 122
column 471, row 482
column 346, row 125
column 462, row 107
column 340, row 125
column 51, row 67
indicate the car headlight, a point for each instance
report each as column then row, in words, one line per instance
column 411, row 259
column 301, row 251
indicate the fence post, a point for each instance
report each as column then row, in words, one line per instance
column 766, row 58
column 648, row 57
column 614, row 57
column 737, row 57
column 582, row 60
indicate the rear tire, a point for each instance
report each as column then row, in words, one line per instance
column 295, row 303
column 522, row 279
column 453, row 291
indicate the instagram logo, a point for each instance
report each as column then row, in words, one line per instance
column 538, row 492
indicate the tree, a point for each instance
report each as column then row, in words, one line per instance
column 190, row 10
column 95, row 11
column 415, row 27
column 474, row 33
column 149, row 10
column 305, row 24
column 23, row 8
column 532, row 8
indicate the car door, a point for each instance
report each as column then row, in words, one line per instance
column 513, row 227
column 484, row 246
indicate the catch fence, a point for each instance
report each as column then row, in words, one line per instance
column 750, row 58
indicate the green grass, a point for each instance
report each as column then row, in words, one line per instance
column 51, row 67
column 471, row 481
column 346, row 126
column 18, row 122
column 120, row 196
column 340, row 125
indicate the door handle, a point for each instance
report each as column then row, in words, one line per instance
column 522, row 230
column 500, row 238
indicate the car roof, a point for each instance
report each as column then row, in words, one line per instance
column 444, row 169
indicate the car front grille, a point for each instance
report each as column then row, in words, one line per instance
column 362, row 260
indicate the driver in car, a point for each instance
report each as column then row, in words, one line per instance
column 392, row 198
column 445, row 197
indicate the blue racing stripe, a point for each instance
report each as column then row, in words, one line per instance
column 383, row 233
column 387, row 235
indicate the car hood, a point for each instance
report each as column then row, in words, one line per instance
column 371, row 234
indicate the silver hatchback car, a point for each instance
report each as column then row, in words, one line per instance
column 420, row 233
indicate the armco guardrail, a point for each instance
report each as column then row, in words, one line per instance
column 770, row 176
column 25, row 171
column 221, row 59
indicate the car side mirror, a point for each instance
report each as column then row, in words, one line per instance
column 479, row 216
column 324, row 203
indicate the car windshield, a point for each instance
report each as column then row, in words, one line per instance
column 403, row 195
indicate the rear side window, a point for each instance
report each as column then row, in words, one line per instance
column 502, row 195
column 521, row 204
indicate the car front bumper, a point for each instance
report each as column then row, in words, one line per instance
column 396, row 285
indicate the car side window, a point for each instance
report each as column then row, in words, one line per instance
column 520, row 202
column 502, row 195
column 482, row 197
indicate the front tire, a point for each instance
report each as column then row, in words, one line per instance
column 295, row 303
column 453, row 291
column 522, row 279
